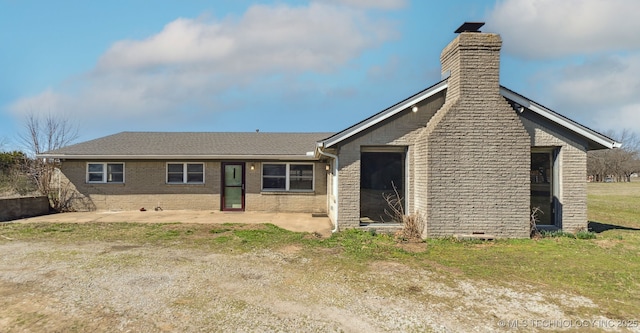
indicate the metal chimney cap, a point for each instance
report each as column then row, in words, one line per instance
column 469, row 27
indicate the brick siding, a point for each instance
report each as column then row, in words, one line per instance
column 572, row 160
column 145, row 186
column 400, row 130
column 477, row 150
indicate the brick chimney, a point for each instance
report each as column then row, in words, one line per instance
column 473, row 61
column 475, row 149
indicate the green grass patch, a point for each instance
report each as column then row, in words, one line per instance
column 602, row 264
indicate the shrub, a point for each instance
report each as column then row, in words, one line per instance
column 584, row 234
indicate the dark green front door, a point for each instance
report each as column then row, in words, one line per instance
column 233, row 186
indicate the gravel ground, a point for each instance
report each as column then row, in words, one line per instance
column 107, row 287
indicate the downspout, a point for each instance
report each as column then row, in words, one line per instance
column 334, row 185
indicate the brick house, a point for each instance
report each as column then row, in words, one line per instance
column 466, row 154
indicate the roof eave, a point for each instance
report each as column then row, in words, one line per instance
column 383, row 115
column 305, row 157
column 599, row 139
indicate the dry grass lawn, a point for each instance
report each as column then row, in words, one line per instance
column 187, row 277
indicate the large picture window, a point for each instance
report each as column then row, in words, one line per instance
column 287, row 177
column 105, row 172
column 185, row 173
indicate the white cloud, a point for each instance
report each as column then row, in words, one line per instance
column 315, row 38
column 603, row 91
column 380, row 4
column 552, row 28
column 597, row 39
column 189, row 65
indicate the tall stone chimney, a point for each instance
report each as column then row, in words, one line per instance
column 476, row 151
column 473, row 62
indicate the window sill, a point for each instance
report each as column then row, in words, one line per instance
column 548, row 227
column 184, row 184
column 287, row 192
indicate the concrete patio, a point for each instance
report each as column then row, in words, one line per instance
column 298, row 222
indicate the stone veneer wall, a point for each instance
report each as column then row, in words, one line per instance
column 572, row 160
column 402, row 130
column 475, row 150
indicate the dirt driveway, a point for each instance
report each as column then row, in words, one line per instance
column 93, row 286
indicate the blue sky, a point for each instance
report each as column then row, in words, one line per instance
column 298, row 66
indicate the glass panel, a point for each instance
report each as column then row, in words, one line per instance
column 380, row 172
column 174, row 173
column 301, row 170
column 300, row 184
column 233, row 197
column 195, row 178
column 115, row 168
column 195, row 173
column 233, row 175
column 541, row 187
column 175, row 167
column 95, row 167
column 115, row 173
column 274, row 170
column 174, row 178
column 274, row 183
column 301, row 177
column 115, row 178
column 95, row 177
column 195, row 168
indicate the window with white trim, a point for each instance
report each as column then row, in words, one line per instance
column 287, row 177
column 185, row 173
column 105, row 173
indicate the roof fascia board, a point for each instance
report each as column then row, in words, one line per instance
column 179, row 157
column 386, row 114
column 564, row 122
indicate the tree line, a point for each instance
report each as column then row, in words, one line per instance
column 615, row 165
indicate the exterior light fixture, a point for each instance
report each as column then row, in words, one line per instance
column 252, row 167
column 326, row 167
column 414, row 108
column 518, row 107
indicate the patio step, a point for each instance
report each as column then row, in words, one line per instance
column 474, row 236
column 381, row 228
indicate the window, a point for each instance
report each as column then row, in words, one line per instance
column 185, row 173
column 287, row 177
column 545, row 185
column 105, row 172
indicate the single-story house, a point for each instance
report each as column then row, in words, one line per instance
column 466, row 155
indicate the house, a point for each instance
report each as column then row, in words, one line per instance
column 466, row 155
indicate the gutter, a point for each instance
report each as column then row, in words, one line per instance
column 334, row 185
column 178, row 157
column 560, row 120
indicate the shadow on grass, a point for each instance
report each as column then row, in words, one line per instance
column 599, row 227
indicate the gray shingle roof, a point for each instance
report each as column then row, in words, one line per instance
column 158, row 144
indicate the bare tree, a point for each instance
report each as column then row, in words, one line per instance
column 3, row 142
column 618, row 164
column 43, row 134
column 46, row 133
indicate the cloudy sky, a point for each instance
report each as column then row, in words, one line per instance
column 287, row 66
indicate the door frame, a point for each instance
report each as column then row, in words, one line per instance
column 555, row 203
column 404, row 178
column 223, row 186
